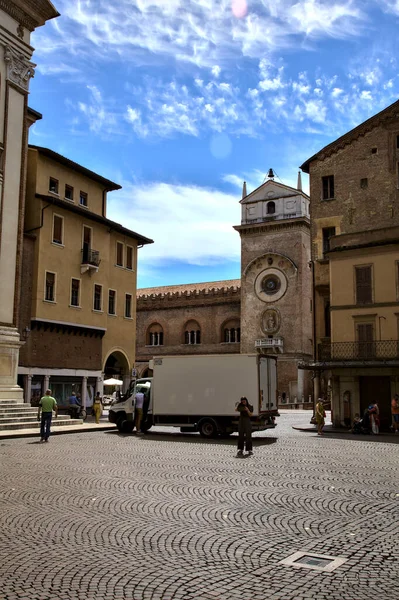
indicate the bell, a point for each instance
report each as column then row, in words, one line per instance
column 270, row 174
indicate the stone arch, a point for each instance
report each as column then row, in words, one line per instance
column 154, row 334
column 192, row 332
column 230, row 331
column 117, row 366
column 271, row 255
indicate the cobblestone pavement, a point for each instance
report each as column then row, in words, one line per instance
column 171, row 516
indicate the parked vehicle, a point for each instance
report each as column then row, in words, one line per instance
column 199, row 393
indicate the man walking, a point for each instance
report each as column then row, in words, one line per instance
column 46, row 406
column 139, row 402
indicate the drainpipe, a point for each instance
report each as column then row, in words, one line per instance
column 41, row 220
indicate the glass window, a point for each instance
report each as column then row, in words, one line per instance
column 129, row 257
column 112, row 302
column 57, row 229
column 50, row 287
column 328, row 187
column 128, row 306
column 155, row 335
column 69, row 192
column 328, row 232
column 97, row 297
column 53, row 185
column 83, row 199
column 75, row 292
column 119, row 254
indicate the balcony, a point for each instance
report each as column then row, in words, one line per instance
column 384, row 350
column 272, row 344
column 90, row 260
column 273, row 217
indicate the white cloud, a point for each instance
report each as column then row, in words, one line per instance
column 199, row 221
column 366, row 95
column 216, row 70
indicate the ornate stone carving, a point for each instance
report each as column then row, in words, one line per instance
column 20, row 31
column 271, row 321
column 19, row 69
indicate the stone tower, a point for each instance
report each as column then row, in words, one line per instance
column 276, row 281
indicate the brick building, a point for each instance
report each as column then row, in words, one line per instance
column 354, row 191
column 267, row 310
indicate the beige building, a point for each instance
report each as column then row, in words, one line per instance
column 18, row 19
column 79, row 287
column 354, row 185
column 267, row 310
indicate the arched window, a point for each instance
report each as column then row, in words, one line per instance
column 192, row 333
column 231, row 333
column 271, row 208
column 155, row 335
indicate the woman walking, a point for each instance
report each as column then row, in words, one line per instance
column 97, row 407
column 244, row 426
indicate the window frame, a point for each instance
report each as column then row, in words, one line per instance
column 97, row 285
column 128, row 295
column 84, row 195
column 116, row 254
column 132, row 257
column 57, row 186
column 78, row 305
column 152, row 336
column 326, row 240
column 114, row 314
column 53, row 241
column 68, row 187
column 54, row 300
column 329, row 189
column 356, row 270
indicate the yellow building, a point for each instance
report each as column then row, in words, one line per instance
column 78, row 304
column 354, row 193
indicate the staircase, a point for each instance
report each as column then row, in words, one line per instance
column 17, row 415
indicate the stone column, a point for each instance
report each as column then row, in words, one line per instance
column 28, row 388
column 84, row 391
column 15, row 74
column 46, row 383
column 300, row 388
column 99, row 386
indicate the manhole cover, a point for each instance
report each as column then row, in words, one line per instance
column 309, row 560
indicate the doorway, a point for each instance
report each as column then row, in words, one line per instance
column 377, row 390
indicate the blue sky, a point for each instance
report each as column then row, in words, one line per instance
column 180, row 101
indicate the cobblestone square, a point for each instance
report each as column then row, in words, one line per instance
column 170, row 516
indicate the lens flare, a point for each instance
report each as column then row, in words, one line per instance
column 239, row 8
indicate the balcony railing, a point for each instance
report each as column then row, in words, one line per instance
column 362, row 351
column 275, row 344
column 90, row 257
column 274, row 217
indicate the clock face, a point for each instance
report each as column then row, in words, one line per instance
column 270, row 285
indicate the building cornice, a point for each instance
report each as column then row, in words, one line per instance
column 30, row 13
column 277, row 225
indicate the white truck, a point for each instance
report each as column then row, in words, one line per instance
column 199, row 393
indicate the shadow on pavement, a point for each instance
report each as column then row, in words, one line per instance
column 192, row 438
column 380, row 438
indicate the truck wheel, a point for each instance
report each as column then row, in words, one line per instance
column 125, row 426
column 208, row 428
column 146, row 425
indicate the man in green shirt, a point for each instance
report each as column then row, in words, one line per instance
column 46, row 406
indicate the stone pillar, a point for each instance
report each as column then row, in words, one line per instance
column 99, row 386
column 126, row 383
column 316, row 393
column 46, row 383
column 301, row 385
column 84, row 392
column 28, row 388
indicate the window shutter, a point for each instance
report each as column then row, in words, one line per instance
column 363, row 285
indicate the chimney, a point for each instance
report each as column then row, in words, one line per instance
column 244, row 189
column 299, row 184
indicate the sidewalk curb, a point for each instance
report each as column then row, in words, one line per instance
column 17, row 434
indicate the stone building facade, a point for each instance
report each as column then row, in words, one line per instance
column 354, row 191
column 267, row 310
column 18, row 20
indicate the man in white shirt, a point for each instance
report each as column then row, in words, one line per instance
column 139, row 402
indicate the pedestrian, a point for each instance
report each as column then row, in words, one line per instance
column 244, row 426
column 395, row 413
column 374, row 418
column 47, row 405
column 320, row 416
column 97, row 407
column 139, row 402
column 74, row 406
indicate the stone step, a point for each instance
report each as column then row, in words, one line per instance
column 18, row 409
column 36, row 425
column 18, row 419
column 10, row 402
